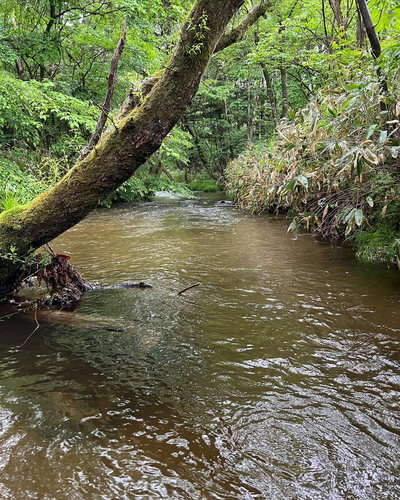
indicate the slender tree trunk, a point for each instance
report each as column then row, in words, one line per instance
column 120, row 152
column 20, row 69
column 186, row 126
column 360, row 31
column 370, row 28
column 375, row 46
column 337, row 12
column 327, row 39
column 249, row 134
column 271, row 94
column 251, row 110
column 285, row 93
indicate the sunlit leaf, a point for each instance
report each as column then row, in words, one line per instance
column 352, row 86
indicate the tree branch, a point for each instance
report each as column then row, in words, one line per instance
column 237, row 33
column 112, row 78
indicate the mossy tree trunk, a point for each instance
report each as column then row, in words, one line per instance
column 120, row 152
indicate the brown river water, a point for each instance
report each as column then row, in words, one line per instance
column 277, row 378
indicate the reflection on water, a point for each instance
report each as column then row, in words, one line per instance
column 277, row 378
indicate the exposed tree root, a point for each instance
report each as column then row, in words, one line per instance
column 63, row 282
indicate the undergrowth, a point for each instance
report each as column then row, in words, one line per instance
column 144, row 185
column 205, row 184
column 335, row 166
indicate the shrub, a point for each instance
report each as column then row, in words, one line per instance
column 334, row 165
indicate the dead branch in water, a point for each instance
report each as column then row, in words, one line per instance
column 37, row 327
column 188, row 288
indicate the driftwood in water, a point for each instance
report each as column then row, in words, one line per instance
column 125, row 285
column 188, row 288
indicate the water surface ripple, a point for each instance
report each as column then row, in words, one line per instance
column 277, row 378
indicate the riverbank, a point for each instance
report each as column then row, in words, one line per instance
column 334, row 169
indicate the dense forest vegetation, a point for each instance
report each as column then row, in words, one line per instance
column 295, row 114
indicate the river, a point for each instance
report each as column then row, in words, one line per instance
column 277, row 378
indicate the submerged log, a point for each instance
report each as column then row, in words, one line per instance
column 68, row 318
column 125, row 285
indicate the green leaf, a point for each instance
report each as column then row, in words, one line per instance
column 358, row 216
column 302, row 179
column 290, row 186
column 370, row 201
column 349, row 215
column 371, row 130
column 352, row 86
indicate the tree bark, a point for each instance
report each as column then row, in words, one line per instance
column 20, row 69
column 251, row 113
column 370, row 28
column 360, row 32
column 285, row 93
column 237, row 34
column 186, row 126
column 375, row 46
column 271, row 94
column 338, row 14
column 120, row 152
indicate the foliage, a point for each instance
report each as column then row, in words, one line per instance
column 174, row 152
column 378, row 243
column 35, row 113
column 202, row 183
column 142, row 186
column 70, row 42
column 17, row 186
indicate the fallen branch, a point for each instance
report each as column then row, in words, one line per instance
column 188, row 288
column 37, row 326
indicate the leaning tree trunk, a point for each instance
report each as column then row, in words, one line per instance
column 120, row 152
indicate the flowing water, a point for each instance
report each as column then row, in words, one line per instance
column 277, row 378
